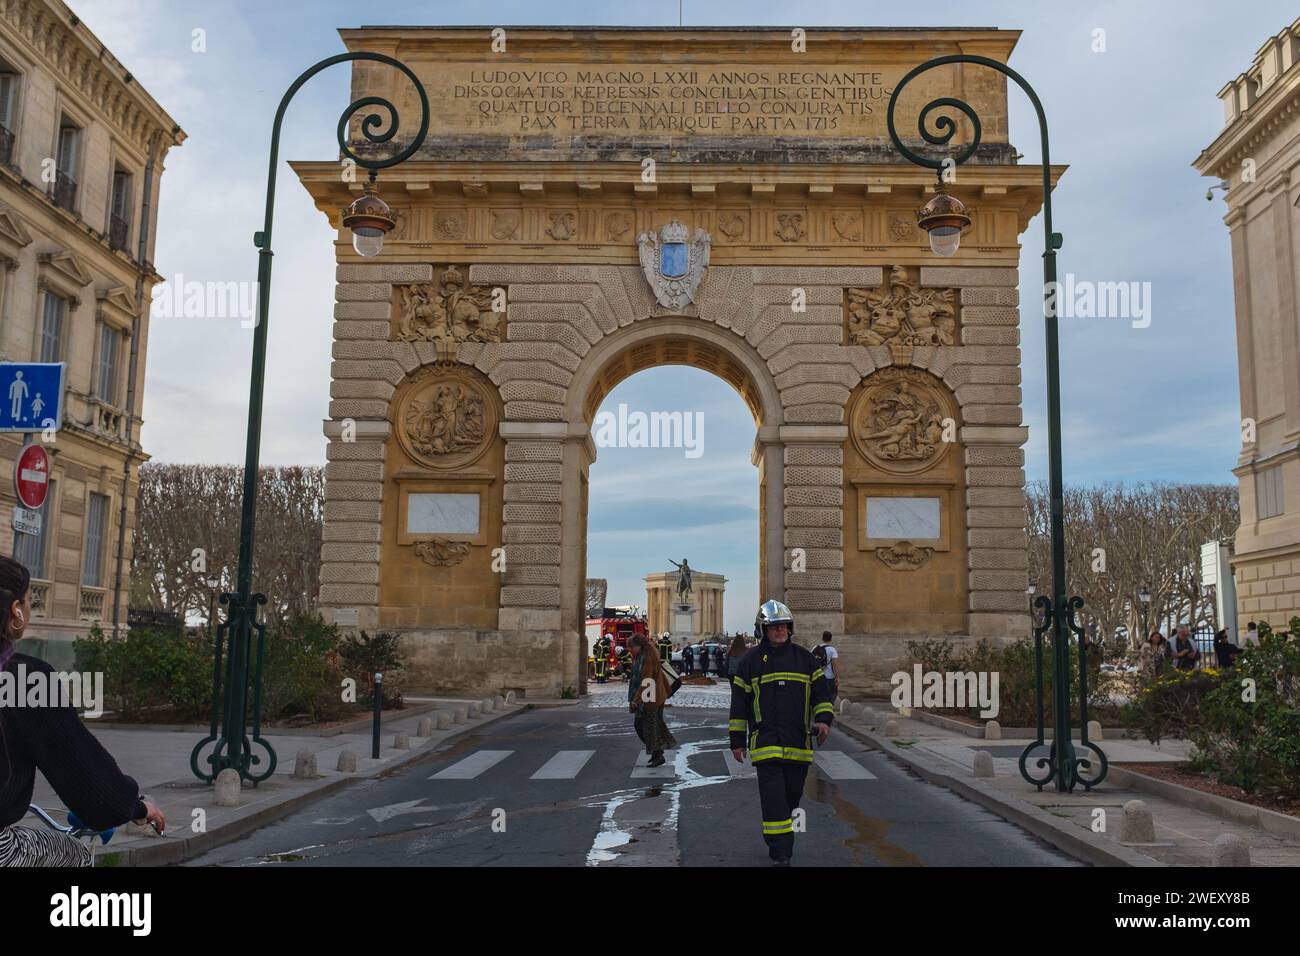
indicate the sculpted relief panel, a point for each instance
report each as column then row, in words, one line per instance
column 446, row 420
column 901, row 313
column 902, row 423
column 448, row 311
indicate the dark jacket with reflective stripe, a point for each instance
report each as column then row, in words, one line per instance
column 777, row 694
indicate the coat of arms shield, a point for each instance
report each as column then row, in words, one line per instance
column 673, row 266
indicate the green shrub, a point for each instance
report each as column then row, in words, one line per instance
column 933, row 655
column 362, row 656
column 302, row 671
column 1243, row 722
column 151, row 670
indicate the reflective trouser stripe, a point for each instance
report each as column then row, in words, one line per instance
column 778, row 826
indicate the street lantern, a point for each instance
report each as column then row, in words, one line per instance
column 370, row 220
column 944, row 217
column 242, row 636
column 1144, row 595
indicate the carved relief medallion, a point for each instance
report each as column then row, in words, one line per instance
column 449, row 224
column 902, row 230
column 904, row 556
column 617, row 225
column 441, row 552
column 673, row 266
column 446, row 419
column 563, row 227
column 848, row 226
column 732, row 224
column 790, row 226
column 448, row 310
column 901, row 313
column 505, row 223
column 898, row 421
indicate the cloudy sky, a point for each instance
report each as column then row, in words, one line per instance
column 1154, row 403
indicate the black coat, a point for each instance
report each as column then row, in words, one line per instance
column 777, row 694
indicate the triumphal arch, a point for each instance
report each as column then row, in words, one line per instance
column 593, row 202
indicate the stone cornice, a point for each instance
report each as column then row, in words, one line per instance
column 50, row 29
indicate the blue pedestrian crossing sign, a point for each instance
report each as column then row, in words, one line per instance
column 31, row 396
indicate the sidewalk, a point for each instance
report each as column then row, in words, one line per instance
column 1184, row 831
column 159, row 760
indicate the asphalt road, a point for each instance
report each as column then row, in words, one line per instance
column 568, row 787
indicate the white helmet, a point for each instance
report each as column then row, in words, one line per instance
column 772, row 612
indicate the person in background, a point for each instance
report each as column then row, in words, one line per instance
column 688, row 657
column 1252, row 635
column 54, row 741
column 646, row 692
column 1185, row 653
column 1153, row 656
column 1225, row 652
column 734, row 654
column 826, row 657
column 704, row 659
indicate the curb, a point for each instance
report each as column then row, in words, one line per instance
column 351, row 727
column 1041, row 824
column 1225, row 808
column 166, row 851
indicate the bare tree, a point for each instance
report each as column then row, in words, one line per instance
column 187, row 530
column 1121, row 539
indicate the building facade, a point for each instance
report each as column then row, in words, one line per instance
column 705, row 599
column 81, row 157
column 1257, row 154
column 593, row 202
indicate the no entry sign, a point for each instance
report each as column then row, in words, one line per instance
column 32, row 476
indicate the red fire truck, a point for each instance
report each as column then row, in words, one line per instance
column 618, row 624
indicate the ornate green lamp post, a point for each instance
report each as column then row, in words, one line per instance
column 944, row 217
column 369, row 219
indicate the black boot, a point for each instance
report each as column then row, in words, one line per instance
column 656, row 759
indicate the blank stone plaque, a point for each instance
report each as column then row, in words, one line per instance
column 910, row 518
column 441, row 513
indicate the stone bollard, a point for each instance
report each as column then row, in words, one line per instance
column 498, row 702
column 868, row 716
column 1094, row 730
column 444, row 719
column 992, row 730
column 1137, row 824
column 1230, row 850
column 511, row 698
column 475, row 708
column 983, row 763
column 426, row 727
column 842, row 705
column 891, row 728
column 401, row 741
column 856, row 710
column 347, row 762
column 461, row 714
column 487, row 705
column 225, row 792
column 304, row 766
column 905, row 712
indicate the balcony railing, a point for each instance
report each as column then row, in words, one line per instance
column 39, row 595
column 6, row 145
column 63, row 191
column 91, row 607
column 119, row 232
column 108, row 420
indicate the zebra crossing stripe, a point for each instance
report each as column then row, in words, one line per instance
column 838, row 765
column 565, row 765
column 737, row 769
column 473, row 765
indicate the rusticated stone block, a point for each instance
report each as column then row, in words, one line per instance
column 363, row 292
column 530, row 596
column 1000, row 559
column 532, row 554
column 358, row 409
column 813, row 537
column 985, row 355
column 992, row 415
column 515, row 533
column 1008, row 538
column 997, row 455
column 532, row 512
column 358, row 511
column 813, row 517
column 354, row 471
column 814, row 580
column 523, row 449
column 979, row 295
column 963, row 276
column 529, row 491
column 817, row 455
column 805, row 276
column 548, row 372
column 990, row 335
column 999, row 601
column 361, row 331
column 825, row 414
column 349, row 595
column 998, row 580
column 811, row 475
column 814, row 496
column 354, row 573
column 995, row 518
column 807, row 600
column 366, row 312
column 982, row 477
column 534, row 471
column 534, row 412
column 988, row 395
column 345, row 553
column 395, row 272
column 815, row 393
column 972, row 317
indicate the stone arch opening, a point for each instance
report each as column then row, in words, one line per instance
column 695, row 343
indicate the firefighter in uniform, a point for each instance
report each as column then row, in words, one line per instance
column 665, row 648
column 780, row 701
column 601, row 660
